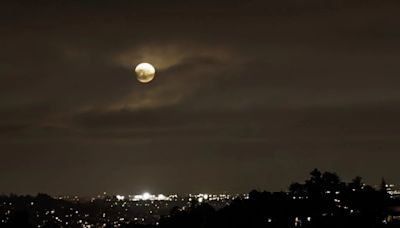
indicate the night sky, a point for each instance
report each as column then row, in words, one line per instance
column 247, row 94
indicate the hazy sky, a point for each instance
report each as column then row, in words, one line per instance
column 248, row 94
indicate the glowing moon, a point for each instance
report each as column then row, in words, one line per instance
column 145, row 72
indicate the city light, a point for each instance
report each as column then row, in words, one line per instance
column 146, row 196
column 119, row 197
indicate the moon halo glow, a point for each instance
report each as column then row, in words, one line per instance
column 145, row 72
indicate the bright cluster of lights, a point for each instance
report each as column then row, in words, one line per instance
column 148, row 196
column 120, row 197
column 216, row 197
column 394, row 193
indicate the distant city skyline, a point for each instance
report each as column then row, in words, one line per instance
column 322, row 200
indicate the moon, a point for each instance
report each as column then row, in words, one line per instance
column 145, row 72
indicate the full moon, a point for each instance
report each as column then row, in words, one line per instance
column 145, row 72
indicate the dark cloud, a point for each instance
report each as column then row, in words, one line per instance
column 243, row 90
